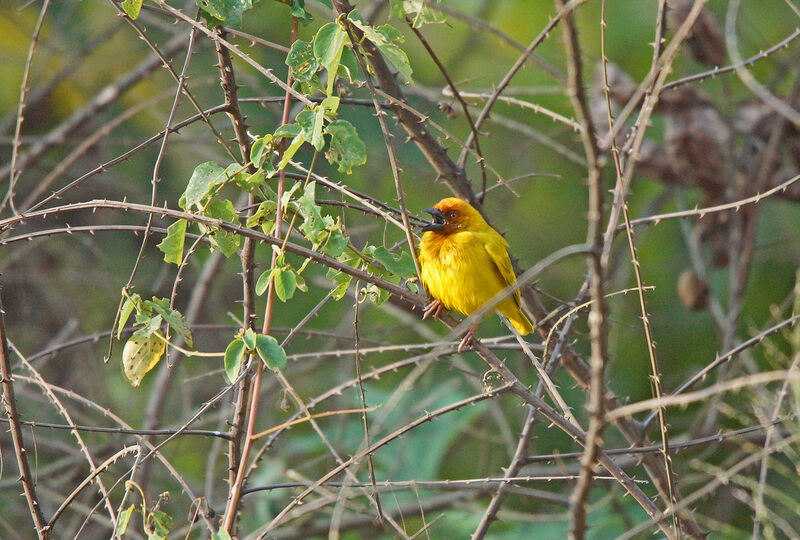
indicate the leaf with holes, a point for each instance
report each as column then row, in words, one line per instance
column 341, row 282
column 346, row 148
column 302, row 61
column 141, row 354
column 205, row 177
column 173, row 318
column 227, row 11
column 221, row 240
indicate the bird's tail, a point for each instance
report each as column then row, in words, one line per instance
column 520, row 322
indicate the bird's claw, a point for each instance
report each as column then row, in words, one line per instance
column 434, row 308
column 467, row 339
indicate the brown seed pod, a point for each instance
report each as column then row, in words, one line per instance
column 692, row 291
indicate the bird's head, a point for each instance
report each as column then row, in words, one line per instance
column 452, row 215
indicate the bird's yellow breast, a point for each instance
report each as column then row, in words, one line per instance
column 457, row 270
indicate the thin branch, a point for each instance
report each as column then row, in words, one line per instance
column 10, row 409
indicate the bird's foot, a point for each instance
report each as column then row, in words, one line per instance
column 434, row 308
column 469, row 335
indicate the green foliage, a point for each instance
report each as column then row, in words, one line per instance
column 386, row 38
column 123, row 519
column 302, row 60
column 172, row 244
column 232, row 361
column 144, row 348
column 225, row 11
column 328, row 45
column 401, row 265
column 417, row 11
column 346, row 148
column 247, row 343
column 205, row 177
column 271, row 353
column 132, row 8
column 159, row 524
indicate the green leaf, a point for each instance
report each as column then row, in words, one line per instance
column 401, row 265
column 149, row 324
column 289, row 153
column 249, row 338
column 302, row 61
column 174, row 319
column 313, row 224
column 264, row 212
column 287, row 130
column 124, row 517
column 263, row 281
column 132, row 8
column 424, row 14
column 396, row 9
column 298, row 11
column 285, row 284
column 234, row 354
column 221, row 209
column 227, row 11
column 317, row 141
column 335, row 244
column 418, row 11
column 348, row 65
column 346, row 147
column 271, row 352
column 330, row 105
column 341, row 282
column 222, row 534
column 398, row 58
column 223, row 241
column 141, row 354
column 172, row 244
column 160, row 522
column 258, row 149
column 375, row 294
column 301, row 282
column 328, row 46
column 385, row 38
column 205, row 177
column 127, row 308
column 251, row 183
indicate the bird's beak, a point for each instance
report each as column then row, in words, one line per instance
column 438, row 220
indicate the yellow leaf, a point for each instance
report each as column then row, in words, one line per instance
column 140, row 355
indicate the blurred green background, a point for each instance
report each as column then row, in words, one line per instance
column 64, row 287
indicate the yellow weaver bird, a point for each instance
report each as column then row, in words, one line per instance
column 464, row 263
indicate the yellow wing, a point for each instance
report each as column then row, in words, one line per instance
column 511, row 308
column 496, row 247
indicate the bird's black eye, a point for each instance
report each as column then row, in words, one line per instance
column 453, row 215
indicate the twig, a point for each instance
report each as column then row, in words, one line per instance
column 13, row 174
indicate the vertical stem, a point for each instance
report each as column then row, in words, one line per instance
column 235, row 495
column 10, row 406
column 597, row 316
